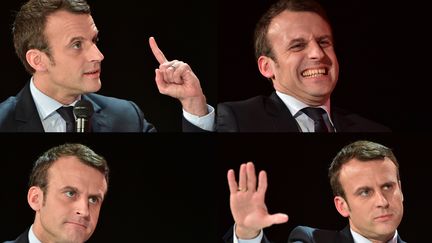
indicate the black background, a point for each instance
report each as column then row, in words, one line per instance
column 172, row 187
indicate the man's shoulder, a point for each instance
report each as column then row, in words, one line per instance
column 23, row 238
column 351, row 122
column 314, row 235
column 250, row 102
column 7, row 107
column 105, row 102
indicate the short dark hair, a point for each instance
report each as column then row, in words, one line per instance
column 39, row 174
column 30, row 21
column 262, row 45
column 363, row 151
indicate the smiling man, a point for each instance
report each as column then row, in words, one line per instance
column 294, row 48
column 68, row 184
column 364, row 177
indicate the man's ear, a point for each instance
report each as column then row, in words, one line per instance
column 37, row 60
column 265, row 66
column 341, row 206
column 35, row 198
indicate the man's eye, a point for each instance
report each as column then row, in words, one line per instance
column 364, row 193
column 388, row 187
column 325, row 43
column 298, row 47
column 77, row 45
column 93, row 200
column 70, row 194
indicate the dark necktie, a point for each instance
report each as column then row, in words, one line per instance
column 66, row 112
column 316, row 114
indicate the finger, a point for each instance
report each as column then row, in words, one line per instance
column 243, row 178
column 262, row 182
column 232, row 183
column 160, row 82
column 160, row 57
column 278, row 218
column 169, row 65
column 180, row 73
column 251, row 177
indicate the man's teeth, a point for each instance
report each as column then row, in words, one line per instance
column 314, row 72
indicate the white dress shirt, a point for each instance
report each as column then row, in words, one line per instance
column 204, row 122
column 305, row 123
column 32, row 237
column 47, row 109
column 361, row 239
column 254, row 240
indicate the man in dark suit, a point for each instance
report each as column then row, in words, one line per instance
column 56, row 42
column 364, row 177
column 294, row 48
column 68, row 184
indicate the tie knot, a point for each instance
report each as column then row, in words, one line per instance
column 66, row 112
column 314, row 113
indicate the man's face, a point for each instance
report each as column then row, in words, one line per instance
column 305, row 64
column 75, row 64
column 69, row 210
column 374, row 200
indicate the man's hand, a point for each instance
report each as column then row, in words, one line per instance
column 176, row 79
column 247, row 202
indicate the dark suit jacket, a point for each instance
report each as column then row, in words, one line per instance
column 19, row 114
column 303, row 234
column 23, row 238
column 270, row 114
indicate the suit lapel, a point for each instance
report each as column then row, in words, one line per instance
column 282, row 120
column 345, row 235
column 99, row 120
column 26, row 115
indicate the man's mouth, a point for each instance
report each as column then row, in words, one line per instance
column 316, row 72
column 384, row 217
column 84, row 226
column 92, row 72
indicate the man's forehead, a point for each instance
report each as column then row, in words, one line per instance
column 299, row 22
column 381, row 167
column 70, row 24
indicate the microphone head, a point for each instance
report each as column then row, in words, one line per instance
column 83, row 109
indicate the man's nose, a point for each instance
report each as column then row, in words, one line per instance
column 315, row 51
column 95, row 55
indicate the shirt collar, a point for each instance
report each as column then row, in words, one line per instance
column 361, row 239
column 45, row 104
column 294, row 105
column 32, row 237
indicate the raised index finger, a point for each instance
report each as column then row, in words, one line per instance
column 160, row 57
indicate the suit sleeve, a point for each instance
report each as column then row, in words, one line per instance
column 226, row 120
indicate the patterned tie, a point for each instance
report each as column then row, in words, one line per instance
column 316, row 114
column 66, row 112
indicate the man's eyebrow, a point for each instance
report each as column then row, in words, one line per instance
column 362, row 188
column 97, row 195
column 297, row 40
column 69, row 188
column 76, row 38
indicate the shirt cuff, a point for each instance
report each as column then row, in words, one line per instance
column 254, row 240
column 206, row 122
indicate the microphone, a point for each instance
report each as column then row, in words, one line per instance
column 83, row 110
